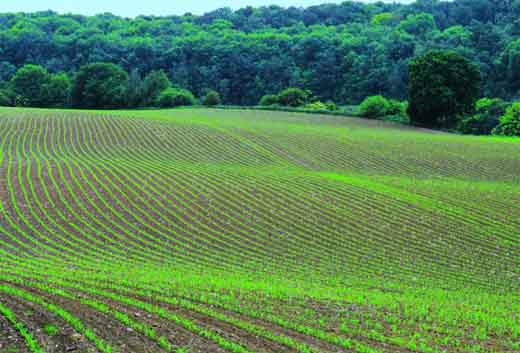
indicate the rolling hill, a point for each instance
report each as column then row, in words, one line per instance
column 201, row 230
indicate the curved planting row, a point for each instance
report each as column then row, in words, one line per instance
column 204, row 231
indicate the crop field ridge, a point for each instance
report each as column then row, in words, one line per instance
column 199, row 230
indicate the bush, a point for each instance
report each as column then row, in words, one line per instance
column 486, row 118
column 316, row 106
column 331, row 106
column 509, row 122
column 175, row 97
column 396, row 108
column 269, row 99
column 294, row 97
column 374, row 107
column 154, row 83
column 211, row 98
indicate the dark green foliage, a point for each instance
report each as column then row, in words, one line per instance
column 331, row 106
column 509, row 122
column 419, row 25
column 28, row 84
column 134, row 93
column 486, row 118
column 396, row 108
column 99, row 85
column 7, row 70
column 154, row 83
column 378, row 107
column 316, row 106
column 144, row 93
column 5, row 99
column 211, row 98
column 342, row 52
column 444, row 87
column 269, row 99
column 56, row 93
column 374, row 107
column 509, row 64
column 175, row 97
column 294, row 97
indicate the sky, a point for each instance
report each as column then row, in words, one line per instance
column 131, row 8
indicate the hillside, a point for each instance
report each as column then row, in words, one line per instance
column 201, row 230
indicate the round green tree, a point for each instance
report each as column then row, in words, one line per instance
column 294, row 97
column 154, row 83
column 374, row 107
column 510, row 122
column 268, row 99
column 28, row 84
column 444, row 87
column 99, row 85
column 211, row 98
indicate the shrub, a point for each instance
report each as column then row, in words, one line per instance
column 175, row 97
column 331, row 106
column 211, row 98
column 396, row 108
column 154, row 83
column 374, row 107
column 509, row 122
column 486, row 118
column 294, row 97
column 269, row 99
column 316, row 106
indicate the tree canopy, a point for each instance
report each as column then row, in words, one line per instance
column 341, row 52
column 444, row 87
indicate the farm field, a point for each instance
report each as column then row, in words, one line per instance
column 199, row 230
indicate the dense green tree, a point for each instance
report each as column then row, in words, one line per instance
column 444, row 87
column 510, row 121
column 56, row 92
column 134, row 96
column 154, row 83
column 5, row 100
column 211, row 98
column 486, row 118
column 419, row 25
column 99, row 85
column 374, row 107
column 294, row 97
column 28, row 83
column 7, row 70
column 509, row 62
column 268, row 99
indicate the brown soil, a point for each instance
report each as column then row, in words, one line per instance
column 35, row 319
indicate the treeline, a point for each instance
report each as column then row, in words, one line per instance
column 342, row 52
column 444, row 94
column 97, row 85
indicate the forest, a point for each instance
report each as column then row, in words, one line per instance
column 341, row 53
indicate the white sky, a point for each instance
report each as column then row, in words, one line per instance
column 132, row 8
